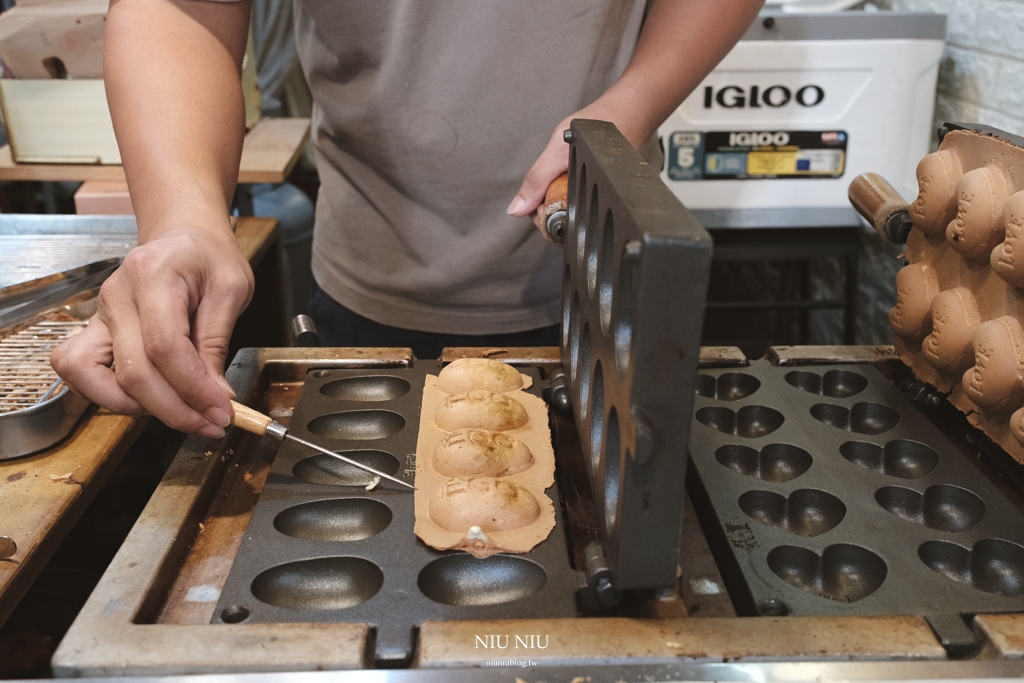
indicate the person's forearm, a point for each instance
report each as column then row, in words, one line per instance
column 172, row 77
column 681, row 42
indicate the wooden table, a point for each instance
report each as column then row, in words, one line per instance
column 269, row 153
column 36, row 511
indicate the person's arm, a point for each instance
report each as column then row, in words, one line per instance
column 681, row 42
column 171, row 69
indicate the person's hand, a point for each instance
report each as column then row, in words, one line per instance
column 554, row 160
column 164, row 321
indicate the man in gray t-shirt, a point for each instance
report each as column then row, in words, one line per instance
column 429, row 117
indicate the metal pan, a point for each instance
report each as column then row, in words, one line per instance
column 33, row 414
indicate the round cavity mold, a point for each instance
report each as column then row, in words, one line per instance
column 366, row 388
column 900, row 458
column 323, row 469
column 337, row 519
column 590, row 246
column 863, row 418
column 834, row 383
column 581, row 216
column 993, row 565
column 567, row 292
column 732, row 386
column 843, row 572
column 942, row 507
column 612, row 468
column 623, row 317
column 357, row 425
column 750, row 422
column 586, row 377
column 323, row 583
column 574, row 338
column 807, row 512
column 605, row 274
column 596, row 409
column 462, row 580
column 776, row 462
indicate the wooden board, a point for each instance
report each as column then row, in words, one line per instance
column 549, row 358
column 1005, row 633
column 269, row 154
column 36, row 511
column 815, row 355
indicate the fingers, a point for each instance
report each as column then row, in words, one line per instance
column 553, row 162
column 141, row 379
column 84, row 363
column 214, row 321
column 158, row 364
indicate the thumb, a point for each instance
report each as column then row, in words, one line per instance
column 553, row 162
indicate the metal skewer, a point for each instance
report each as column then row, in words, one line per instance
column 256, row 422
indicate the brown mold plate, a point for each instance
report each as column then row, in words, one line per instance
column 960, row 300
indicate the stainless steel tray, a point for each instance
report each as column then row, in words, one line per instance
column 27, row 423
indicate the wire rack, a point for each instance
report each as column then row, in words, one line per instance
column 25, row 373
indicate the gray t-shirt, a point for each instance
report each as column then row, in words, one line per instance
column 427, row 115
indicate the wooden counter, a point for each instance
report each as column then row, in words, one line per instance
column 37, row 511
column 269, row 154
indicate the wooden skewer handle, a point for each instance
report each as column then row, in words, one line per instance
column 250, row 420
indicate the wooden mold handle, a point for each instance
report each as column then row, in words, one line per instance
column 250, row 420
column 557, row 195
column 875, row 199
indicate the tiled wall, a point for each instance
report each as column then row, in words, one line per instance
column 981, row 78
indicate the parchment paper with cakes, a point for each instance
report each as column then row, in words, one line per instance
column 483, row 461
column 960, row 299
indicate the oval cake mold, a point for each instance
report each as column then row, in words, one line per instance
column 462, row 580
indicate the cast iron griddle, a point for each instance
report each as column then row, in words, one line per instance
column 829, row 493
column 320, row 547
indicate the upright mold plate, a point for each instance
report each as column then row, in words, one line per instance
column 636, row 266
column 957, row 320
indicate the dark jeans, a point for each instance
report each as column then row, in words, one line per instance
column 339, row 326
